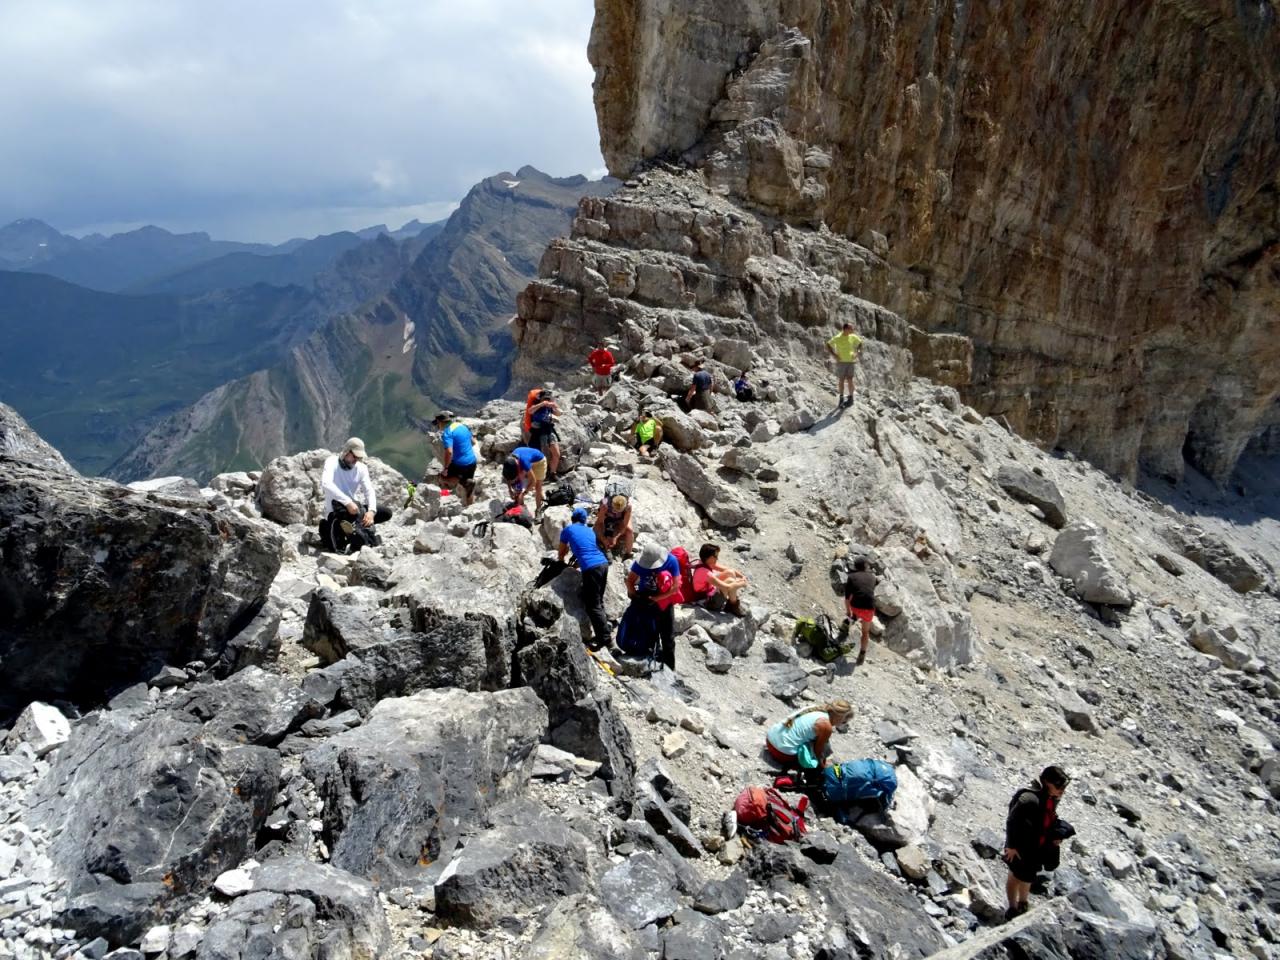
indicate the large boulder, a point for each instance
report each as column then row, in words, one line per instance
column 403, row 787
column 147, row 816
column 907, row 819
column 583, row 928
column 300, row 909
column 403, row 649
column 101, row 586
column 1217, row 556
column 518, row 864
column 925, row 618
column 1080, row 555
column 864, row 912
column 253, row 707
column 289, row 488
column 723, row 505
column 1028, row 487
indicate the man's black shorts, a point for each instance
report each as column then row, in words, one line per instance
column 460, row 472
column 1026, row 866
column 542, row 436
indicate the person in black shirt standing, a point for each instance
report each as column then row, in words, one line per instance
column 860, row 600
column 1033, row 835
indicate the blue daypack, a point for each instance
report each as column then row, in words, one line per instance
column 638, row 631
column 865, row 783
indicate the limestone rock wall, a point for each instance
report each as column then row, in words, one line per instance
column 1086, row 190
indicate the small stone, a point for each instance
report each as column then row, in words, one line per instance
column 1119, row 863
column 168, row 677
column 185, row 942
column 95, row 949
column 674, row 745
column 913, row 862
column 718, row 659
column 155, row 940
column 233, row 883
column 693, row 724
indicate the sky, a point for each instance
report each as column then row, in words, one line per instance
column 269, row 120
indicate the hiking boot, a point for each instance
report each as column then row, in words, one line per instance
column 862, row 657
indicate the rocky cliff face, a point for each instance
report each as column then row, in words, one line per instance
column 1088, row 193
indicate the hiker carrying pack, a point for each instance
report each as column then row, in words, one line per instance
column 766, row 812
column 859, row 784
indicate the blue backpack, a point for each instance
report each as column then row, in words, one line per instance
column 638, row 631
column 865, row 783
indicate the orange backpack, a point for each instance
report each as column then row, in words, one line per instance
column 765, row 810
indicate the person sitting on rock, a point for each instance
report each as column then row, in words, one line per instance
column 643, row 584
column 801, row 740
column 593, row 565
column 542, row 429
column 525, row 465
column 1031, row 840
column 844, row 347
column 860, row 601
column 648, row 433
column 743, row 389
column 716, row 587
column 459, row 455
column 347, row 487
column 602, row 364
column 613, row 524
column 698, row 396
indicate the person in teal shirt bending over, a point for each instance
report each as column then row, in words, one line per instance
column 801, row 739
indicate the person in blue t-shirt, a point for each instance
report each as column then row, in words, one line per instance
column 580, row 539
column 644, row 585
column 459, row 455
column 524, row 465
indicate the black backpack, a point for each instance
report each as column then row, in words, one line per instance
column 561, row 495
column 512, row 513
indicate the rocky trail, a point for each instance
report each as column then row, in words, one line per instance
column 409, row 753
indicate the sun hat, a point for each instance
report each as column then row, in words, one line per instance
column 355, row 446
column 652, row 556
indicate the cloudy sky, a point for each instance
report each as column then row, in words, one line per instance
column 268, row 120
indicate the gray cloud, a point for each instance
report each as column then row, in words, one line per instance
column 269, row 120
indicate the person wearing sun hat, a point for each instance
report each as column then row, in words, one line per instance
column 593, row 565
column 347, row 486
column 655, row 577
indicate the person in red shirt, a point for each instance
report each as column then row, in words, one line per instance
column 602, row 363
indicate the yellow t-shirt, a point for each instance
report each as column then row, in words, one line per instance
column 846, row 347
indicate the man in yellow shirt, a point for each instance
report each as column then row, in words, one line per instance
column 844, row 347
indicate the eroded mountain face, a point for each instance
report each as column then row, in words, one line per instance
column 1088, row 193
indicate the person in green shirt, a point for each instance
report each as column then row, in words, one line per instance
column 844, row 347
column 648, row 434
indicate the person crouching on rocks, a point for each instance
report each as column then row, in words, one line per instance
column 1033, row 836
column 801, row 740
column 644, row 582
column 593, row 565
column 525, row 465
column 347, row 486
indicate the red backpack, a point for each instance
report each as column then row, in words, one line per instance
column 766, row 810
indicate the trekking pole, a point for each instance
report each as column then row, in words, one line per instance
column 609, row 671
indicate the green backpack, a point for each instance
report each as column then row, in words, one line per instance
column 820, row 636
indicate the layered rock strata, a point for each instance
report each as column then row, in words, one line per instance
column 1087, row 194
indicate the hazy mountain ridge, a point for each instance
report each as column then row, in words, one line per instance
column 439, row 334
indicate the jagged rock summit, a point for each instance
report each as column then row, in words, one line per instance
column 1085, row 193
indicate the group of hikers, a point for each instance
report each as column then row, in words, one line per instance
column 659, row 579
column 801, row 742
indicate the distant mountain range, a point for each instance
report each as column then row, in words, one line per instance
column 153, row 260
column 151, row 352
column 439, row 334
